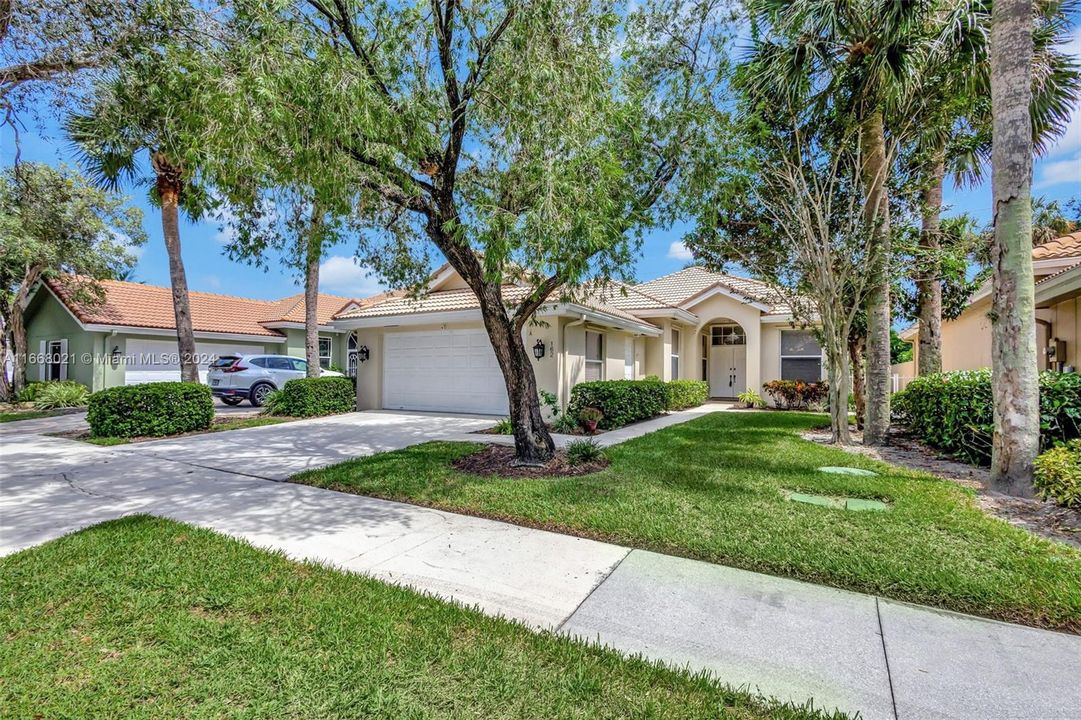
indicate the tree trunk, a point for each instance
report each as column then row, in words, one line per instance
column 18, row 326
column 313, row 252
column 837, row 355
column 169, row 184
column 533, row 444
column 855, row 362
column 875, row 170
column 929, row 279
column 1014, row 379
column 6, row 389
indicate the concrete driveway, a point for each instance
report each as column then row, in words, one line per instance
column 275, row 452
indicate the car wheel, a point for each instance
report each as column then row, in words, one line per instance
column 259, row 394
column 232, row 400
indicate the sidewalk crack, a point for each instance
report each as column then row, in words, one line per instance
column 886, row 657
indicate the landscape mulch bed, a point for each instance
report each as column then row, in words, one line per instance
column 499, row 460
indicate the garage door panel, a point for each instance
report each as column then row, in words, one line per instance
column 154, row 360
column 449, row 370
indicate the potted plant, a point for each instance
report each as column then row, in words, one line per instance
column 589, row 417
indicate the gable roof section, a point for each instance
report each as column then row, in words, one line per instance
column 679, row 287
column 1066, row 246
column 135, row 305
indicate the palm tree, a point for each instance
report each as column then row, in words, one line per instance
column 131, row 122
column 952, row 118
column 1014, row 383
column 851, row 61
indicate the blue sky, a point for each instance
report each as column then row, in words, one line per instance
column 1057, row 177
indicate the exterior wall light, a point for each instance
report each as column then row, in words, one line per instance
column 362, row 353
column 538, row 349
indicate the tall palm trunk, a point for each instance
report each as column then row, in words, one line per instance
column 874, row 170
column 1014, row 379
column 929, row 279
column 169, row 184
column 313, row 252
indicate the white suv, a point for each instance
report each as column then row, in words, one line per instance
column 235, row 378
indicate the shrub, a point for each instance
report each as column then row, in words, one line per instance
column 953, row 411
column 751, row 399
column 564, row 424
column 621, row 401
column 61, row 394
column 311, row 397
column 151, row 409
column 30, row 392
column 683, row 394
column 1058, row 474
column 503, row 427
column 795, row 394
column 583, row 451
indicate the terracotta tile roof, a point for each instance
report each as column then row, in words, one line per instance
column 626, row 297
column 678, row 287
column 150, row 306
column 291, row 309
column 1063, row 247
column 464, row 299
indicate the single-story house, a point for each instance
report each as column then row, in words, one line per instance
column 966, row 341
column 130, row 337
column 431, row 352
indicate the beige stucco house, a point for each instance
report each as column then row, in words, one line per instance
column 966, row 341
column 432, row 352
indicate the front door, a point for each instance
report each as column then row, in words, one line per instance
column 727, row 370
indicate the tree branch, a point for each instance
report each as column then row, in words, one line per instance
column 345, row 25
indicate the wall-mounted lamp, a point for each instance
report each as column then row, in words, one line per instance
column 538, row 350
column 362, row 353
column 115, row 355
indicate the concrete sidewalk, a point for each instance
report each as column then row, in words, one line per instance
column 779, row 637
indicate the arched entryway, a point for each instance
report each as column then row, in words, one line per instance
column 724, row 346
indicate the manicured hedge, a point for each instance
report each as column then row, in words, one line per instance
column 953, row 411
column 310, row 397
column 1058, row 474
column 683, row 394
column 150, row 409
column 621, row 401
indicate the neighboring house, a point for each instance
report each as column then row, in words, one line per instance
column 131, row 336
column 966, row 341
column 432, row 352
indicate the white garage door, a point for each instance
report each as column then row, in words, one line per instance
column 157, row 360
column 442, row 370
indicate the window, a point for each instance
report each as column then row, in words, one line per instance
column 727, row 335
column 705, row 357
column 258, row 362
column 628, row 358
column 594, row 356
column 675, row 354
column 801, row 356
column 279, row 363
column 299, row 365
column 326, row 347
column 56, row 364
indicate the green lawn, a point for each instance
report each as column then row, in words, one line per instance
column 218, row 426
column 16, row 415
column 712, row 489
column 148, row 618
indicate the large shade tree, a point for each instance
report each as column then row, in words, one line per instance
column 527, row 143
column 55, row 224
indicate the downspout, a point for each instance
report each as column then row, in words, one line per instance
column 565, row 375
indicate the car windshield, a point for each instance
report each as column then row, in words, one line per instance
column 224, row 361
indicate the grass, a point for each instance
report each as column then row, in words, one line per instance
column 148, row 618
column 711, row 489
column 218, row 426
column 16, row 415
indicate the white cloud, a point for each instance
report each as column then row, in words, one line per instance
column 678, row 251
column 1054, row 172
column 342, row 275
column 125, row 240
column 226, row 227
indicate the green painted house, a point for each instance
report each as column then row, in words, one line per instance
column 130, row 337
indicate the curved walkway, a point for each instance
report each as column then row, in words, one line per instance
column 781, row 637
